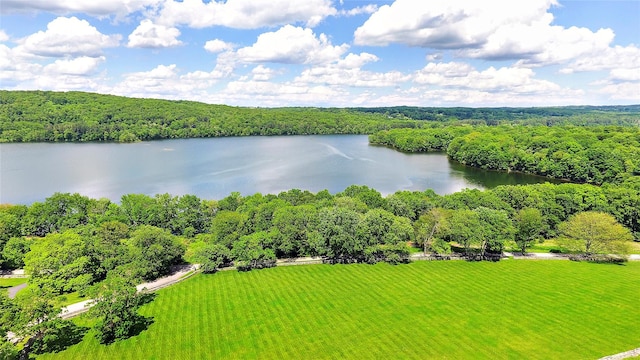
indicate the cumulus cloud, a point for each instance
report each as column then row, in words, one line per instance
column 150, row 35
column 69, row 37
column 495, row 30
column 331, row 75
column 504, row 79
column 16, row 67
column 347, row 72
column 627, row 91
column 167, row 81
column 217, row 45
column 617, row 57
column 292, row 45
column 79, row 66
column 3, row 36
column 352, row 61
column 540, row 43
column 262, row 73
column 245, row 14
column 445, row 24
column 20, row 71
column 360, row 10
column 99, row 8
column 279, row 94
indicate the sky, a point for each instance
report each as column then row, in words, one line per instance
column 328, row 53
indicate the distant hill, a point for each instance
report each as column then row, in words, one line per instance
column 30, row 116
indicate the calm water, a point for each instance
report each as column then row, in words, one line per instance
column 213, row 168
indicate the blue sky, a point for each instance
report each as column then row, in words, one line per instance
column 328, row 53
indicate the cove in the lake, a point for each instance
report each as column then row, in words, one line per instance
column 213, row 168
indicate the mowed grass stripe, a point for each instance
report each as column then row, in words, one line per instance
column 455, row 310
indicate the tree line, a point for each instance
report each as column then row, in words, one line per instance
column 37, row 116
column 70, row 241
column 565, row 115
column 593, row 154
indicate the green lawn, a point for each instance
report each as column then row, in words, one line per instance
column 9, row 282
column 425, row 310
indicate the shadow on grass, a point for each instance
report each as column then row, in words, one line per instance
column 147, row 298
column 61, row 336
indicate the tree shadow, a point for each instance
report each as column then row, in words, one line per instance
column 146, row 298
column 61, row 336
column 141, row 324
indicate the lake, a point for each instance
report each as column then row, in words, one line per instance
column 213, row 168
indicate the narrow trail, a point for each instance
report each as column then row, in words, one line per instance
column 179, row 273
column 625, row 355
column 12, row 291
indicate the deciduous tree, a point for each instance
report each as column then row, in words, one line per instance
column 593, row 232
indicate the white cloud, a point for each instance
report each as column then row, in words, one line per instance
column 20, row 71
column 625, row 74
column 3, row 36
column 262, row 73
column 617, row 57
column 279, row 94
column 217, row 45
column 166, row 81
column 330, row 75
column 628, row 91
column 292, row 45
column 352, row 61
column 245, row 14
column 494, row 30
column 445, row 24
column 69, row 37
column 366, row 9
column 16, row 67
column 150, row 35
column 99, row 8
column 510, row 80
column 348, row 72
column 79, row 66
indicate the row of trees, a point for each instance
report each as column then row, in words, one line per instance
column 595, row 154
column 72, row 241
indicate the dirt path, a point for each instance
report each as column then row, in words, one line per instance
column 625, row 355
column 12, row 291
column 180, row 273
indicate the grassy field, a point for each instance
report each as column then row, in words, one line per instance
column 9, row 282
column 424, row 310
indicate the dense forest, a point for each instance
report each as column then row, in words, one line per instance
column 575, row 115
column 589, row 154
column 31, row 116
